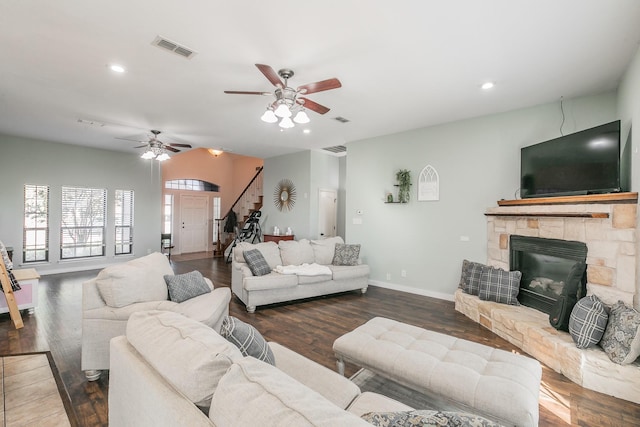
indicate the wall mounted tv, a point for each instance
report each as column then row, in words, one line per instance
column 586, row 162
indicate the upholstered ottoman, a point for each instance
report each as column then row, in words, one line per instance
column 490, row 382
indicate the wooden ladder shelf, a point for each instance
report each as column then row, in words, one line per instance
column 8, row 294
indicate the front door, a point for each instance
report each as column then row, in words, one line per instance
column 194, row 217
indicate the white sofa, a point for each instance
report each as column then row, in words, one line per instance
column 109, row 299
column 167, row 363
column 275, row 287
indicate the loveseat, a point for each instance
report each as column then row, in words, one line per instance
column 120, row 290
column 169, row 370
column 342, row 271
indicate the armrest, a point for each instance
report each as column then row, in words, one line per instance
column 91, row 298
column 329, row 384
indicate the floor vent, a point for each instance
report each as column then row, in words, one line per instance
column 336, row 149
column 341, row 119
column 173, row 47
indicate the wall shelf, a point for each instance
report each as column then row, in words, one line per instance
column 553, row 215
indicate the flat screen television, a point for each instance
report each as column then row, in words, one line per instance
column 585, row 162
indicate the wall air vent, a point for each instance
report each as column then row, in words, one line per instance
column 336, row 149
column 173, row 47
column 341, row 119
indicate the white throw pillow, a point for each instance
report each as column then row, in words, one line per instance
column 323, row 250
column 296, row 252
column 191, row 356
column 255, row 393
column 138, row 280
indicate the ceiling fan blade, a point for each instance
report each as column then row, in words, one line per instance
column 314, row 106
column 179, row 145
column 129, row 139
column 240, row 92
column 320, row 86
column 270, row 74
column 175, row 150
column 141, row 146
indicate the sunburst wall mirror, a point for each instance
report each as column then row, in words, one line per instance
column 284, row 196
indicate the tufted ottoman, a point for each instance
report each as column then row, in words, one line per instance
column 490, row 382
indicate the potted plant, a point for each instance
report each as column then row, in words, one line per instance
column 403, row 176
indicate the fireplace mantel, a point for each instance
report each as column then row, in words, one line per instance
column 582, row 199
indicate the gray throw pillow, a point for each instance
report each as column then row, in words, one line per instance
column 247, row 338
column 621, row 339
column 186, row 286
column 426, row 418
column 256, row 262
column 588, row 321
column 470, row 277
column 500, row 286
column 346, row 254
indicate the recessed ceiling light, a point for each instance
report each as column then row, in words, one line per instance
column 488, row 85
column 306, row 131
column 117, row 68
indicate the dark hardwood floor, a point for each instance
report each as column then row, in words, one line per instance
column 308, row 327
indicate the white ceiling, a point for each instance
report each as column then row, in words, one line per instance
column 403, row 65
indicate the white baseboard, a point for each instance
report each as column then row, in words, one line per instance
column 412, row 290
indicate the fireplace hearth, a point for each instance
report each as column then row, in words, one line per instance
column 546, row 266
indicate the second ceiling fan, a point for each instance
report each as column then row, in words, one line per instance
column 289, row 100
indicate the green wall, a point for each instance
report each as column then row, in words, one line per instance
column 478, row 161
column 26, row 161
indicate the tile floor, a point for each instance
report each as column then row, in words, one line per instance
column 30, row 393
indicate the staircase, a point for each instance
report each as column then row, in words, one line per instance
column 250, row 200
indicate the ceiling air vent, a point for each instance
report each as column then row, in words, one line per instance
column 173, row 47
column 336, row 149
column 341, row 119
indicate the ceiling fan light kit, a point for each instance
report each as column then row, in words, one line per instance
column 156, row 149
column 288, row 100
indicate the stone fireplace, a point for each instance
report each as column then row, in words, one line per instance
column 606, row 226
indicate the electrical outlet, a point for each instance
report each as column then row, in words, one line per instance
column 403, row 273
column 388, row 276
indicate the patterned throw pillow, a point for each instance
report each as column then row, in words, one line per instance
column 247, row 339
column 346, row 254
column 588, row 321
column 621, row 339
column 256, row 262
column 426, row 418
column 186, row 286
column 470, row 277
column 500, row 286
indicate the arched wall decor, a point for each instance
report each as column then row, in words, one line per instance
column 428, row 184
column 284, row 196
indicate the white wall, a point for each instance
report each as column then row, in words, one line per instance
column 478, row 161
column 629, row 111
column 25, row 161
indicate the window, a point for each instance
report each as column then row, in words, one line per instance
column 167, row 213
column 82, row 231
column 124, row 222
column 191, row 184
column 35, row 237
column 216, row 216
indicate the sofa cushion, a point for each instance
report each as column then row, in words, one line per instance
column 256, row 262
column 296, row 252
column 247, row 338
column 323, row 250
column 621, row 339
column 588, row 321
column 255, row 393
column 344, row 272
column 310, row 280
column 269, row 281
column 191, row 356
column 269, row 250
column 186, row 286
column 426, row 418
column 138, row 280
column 500, row 286
column 346, row 254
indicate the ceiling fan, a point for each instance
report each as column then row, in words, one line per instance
column 156, row 149
column 289, row 100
